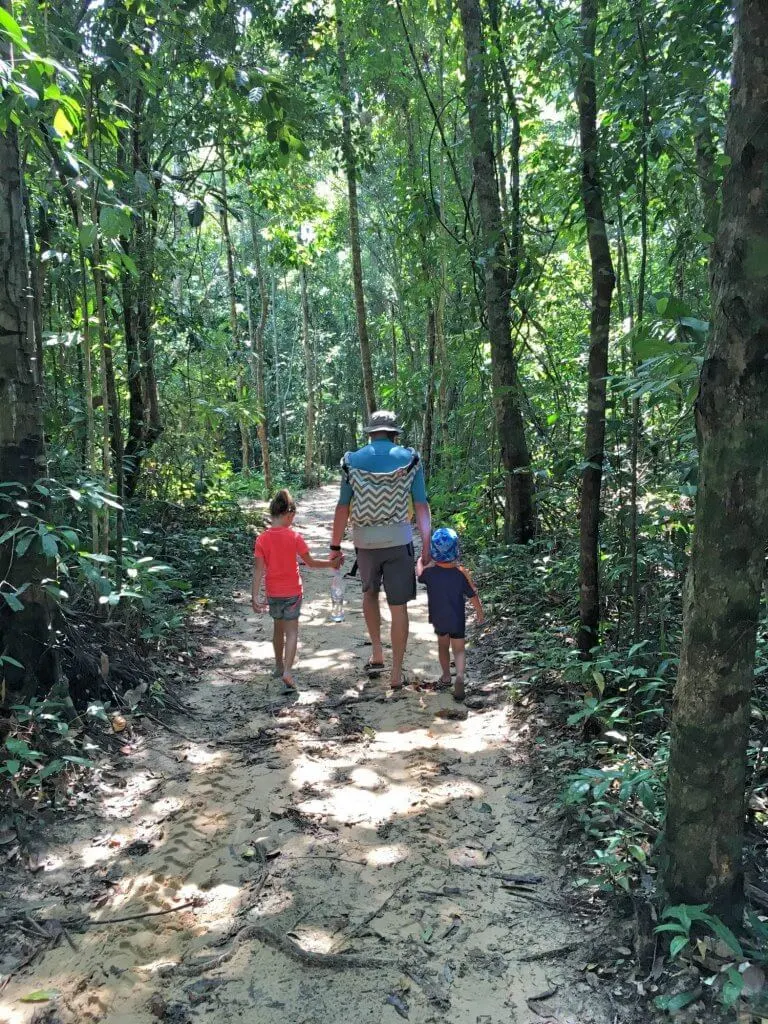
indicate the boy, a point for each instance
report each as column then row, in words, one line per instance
column 449, row 585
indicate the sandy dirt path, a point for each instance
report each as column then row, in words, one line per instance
column 347, row 823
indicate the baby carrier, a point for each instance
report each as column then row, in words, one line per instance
column 380, row 499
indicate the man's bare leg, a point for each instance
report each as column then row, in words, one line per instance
column 399, row 634
column 372, row 616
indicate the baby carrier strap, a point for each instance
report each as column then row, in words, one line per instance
column 380, row 499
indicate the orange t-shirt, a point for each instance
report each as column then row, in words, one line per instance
column 279, row 546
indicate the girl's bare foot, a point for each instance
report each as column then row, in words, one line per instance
column 288, row 681
column 458, row 688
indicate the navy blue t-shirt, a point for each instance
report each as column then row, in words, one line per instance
column 447, row 591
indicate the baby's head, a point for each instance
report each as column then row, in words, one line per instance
column 282, row 504
column 444, row 546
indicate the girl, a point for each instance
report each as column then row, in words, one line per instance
column 275, row 557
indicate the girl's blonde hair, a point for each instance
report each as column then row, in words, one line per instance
column 282, row 504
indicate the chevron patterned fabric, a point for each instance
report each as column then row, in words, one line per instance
column 380, row 498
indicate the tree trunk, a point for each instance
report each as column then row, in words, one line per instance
column 278, row 393
column 25, row 633
column 706, row 786
column 245, row 439
column 350, row 166
column 257, row 352
column 603, row 281
column 429, row 407
column 519, row 517
column 310, row 476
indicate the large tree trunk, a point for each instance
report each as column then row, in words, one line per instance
column 350, row 166
column 519, row 520
column 706, row 789
column 603, row 281
column 25, row 633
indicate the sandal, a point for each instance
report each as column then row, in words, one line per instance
column 373, row 669
column 399, row 686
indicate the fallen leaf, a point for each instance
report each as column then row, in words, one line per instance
column 400, row 1005
column 42, row 995
column 119, row 722
column 426, row 935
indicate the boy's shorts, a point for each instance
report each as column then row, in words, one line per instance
column 453, row 636
column 287, row 608
column 395, row 566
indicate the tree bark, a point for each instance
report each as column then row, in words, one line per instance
column 707, row 766
column 603, row 280
column 257, row 353
column 429, row 408
column 245, row 439
column 350, row 167
column 519, row 517
column 25, row 634
column 310, row 474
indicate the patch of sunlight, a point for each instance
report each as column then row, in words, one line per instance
column 384, row 856
column 200, row 757
column 366, row 778
column 310, row 697
column 103, row 851
column 312, row 773
column 475, row 735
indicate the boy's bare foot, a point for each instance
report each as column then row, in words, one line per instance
column 288, row 681
column 458, row 688
column 442, row 683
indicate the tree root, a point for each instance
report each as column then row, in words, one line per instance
column 334, row 961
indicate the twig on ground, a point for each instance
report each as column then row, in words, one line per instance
column 91, row 922
column 336, row 946
column 550, row 954
column 170, row 728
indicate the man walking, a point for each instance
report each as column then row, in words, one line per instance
column 377, row 482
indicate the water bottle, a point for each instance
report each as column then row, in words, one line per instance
column 337, row 597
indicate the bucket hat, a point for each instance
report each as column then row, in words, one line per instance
column 383, row 420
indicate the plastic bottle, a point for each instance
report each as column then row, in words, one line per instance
column 337, row 596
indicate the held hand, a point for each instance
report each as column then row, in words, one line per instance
column 259, row 606
column 336, row 558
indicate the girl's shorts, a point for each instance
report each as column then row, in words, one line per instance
column 285, row 607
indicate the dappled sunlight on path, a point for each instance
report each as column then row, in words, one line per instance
column 344, row 821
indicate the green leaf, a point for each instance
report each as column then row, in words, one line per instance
column 678, row 943
column 638, row 853
column 62, row 124
column 13, row 602
column 87, row 235
column 674, row 1003
column 42, row 995
column 12, row 767
column 11, row 29
column 50, row 547
column 8, row 660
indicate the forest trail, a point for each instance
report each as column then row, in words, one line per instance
column 344, row 822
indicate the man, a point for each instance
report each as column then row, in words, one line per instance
column 378, row 481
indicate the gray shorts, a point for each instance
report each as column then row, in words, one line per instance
column 395, row 566
column 285, row 607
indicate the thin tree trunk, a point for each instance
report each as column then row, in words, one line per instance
column 350, row 166
column 257, row 351
column 310, row 475
column 245, row 440
column 429, row 408
column 707, row 766
column 603, row 281
column 278, row 393
column 25, row 631
column 519, row 511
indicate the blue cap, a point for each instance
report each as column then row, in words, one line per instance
column 444, row 546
